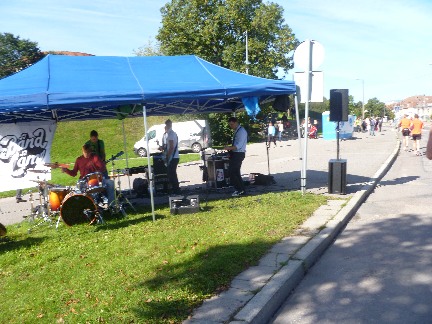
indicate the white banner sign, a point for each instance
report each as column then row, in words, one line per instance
column 25, row 147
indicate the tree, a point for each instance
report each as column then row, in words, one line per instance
column 17, row 54
column 354, row 108
column 375, row 108
column 150, row 49
column 215, row 30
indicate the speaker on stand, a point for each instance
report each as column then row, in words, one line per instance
column 337, row 168
column 338, row 105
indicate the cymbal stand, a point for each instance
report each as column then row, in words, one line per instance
column 117, row 204
column 41, row 211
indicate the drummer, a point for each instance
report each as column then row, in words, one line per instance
column 89, row 162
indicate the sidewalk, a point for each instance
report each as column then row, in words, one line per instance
column 256, row 294
column 378, row 270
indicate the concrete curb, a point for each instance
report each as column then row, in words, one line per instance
column 266, row 302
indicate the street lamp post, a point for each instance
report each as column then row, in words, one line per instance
column 363, row 111
column 247, row 53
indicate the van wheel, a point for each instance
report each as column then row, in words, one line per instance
column 196, row 147
column 142, row 152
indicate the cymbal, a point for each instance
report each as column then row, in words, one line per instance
column 39, row 171
column 117, row 175
column 42, row 182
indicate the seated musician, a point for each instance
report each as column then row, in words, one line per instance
column 89, row 162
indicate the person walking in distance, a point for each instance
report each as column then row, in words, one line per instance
column 372, row 123
column 416, row 130
column 404, row 126
column 280, row 126
column 237, row 152
column 271, row 134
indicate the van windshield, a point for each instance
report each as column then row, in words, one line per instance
column 151, row 134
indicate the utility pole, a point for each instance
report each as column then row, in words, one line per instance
column 247, row 53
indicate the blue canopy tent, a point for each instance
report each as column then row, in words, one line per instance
column 93, row 87
column 60, row 88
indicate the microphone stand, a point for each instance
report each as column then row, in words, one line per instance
column 117, row 205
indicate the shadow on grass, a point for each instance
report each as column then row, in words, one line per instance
column 8, row 244
column 122, row 222
column 209, row 272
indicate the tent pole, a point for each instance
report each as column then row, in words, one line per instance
column 127, row 158
column 150, row 171
column 306, row 124
column 299, row 138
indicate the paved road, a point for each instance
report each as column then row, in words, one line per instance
column 379, row 268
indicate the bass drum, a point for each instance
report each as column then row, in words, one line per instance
column 77, row 208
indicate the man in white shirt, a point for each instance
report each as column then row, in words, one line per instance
column 172, row 157
column 237, row 152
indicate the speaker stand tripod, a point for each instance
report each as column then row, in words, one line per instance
column 117, row 205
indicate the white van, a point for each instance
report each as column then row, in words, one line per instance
column 192, row 135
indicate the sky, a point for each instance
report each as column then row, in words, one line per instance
column 380, row 48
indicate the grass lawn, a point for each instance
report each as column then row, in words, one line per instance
column 134, row 270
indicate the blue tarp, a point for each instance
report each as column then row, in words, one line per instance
column 91, row 87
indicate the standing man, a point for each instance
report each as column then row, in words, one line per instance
column 172, row 156
column 416, row 130
column 97, row 147
column 271, row 134
column 237, row 151
column 280, row 125
column 372, row 124
column 404, row 125
column 18, row 196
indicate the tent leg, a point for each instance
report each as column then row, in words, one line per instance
column 150, row 171
column 127, row 158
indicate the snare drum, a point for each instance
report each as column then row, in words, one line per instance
column 93, row 182
column 56, row 196
column 77, row 208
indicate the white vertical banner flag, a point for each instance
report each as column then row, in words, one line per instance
column 24, row 150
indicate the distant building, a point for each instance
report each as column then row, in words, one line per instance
column 421, row 105
column 69, row 53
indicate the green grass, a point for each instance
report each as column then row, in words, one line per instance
column 134, row 270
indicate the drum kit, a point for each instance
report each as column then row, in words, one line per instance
column 84, row 203
column 73, row 205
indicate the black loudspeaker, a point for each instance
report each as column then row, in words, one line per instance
column 281, row 103
column 339, row 105
column 337, row 176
